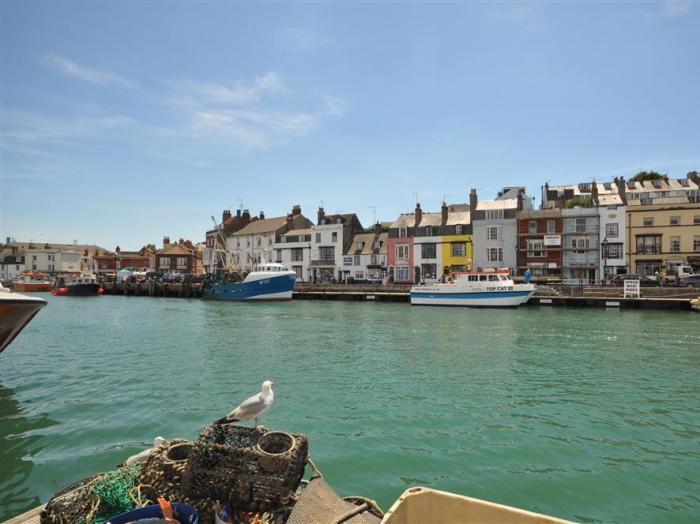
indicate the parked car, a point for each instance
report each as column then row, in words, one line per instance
column 644, row 280
column 690, row 281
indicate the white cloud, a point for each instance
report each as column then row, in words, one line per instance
column 94, row 76
column 26, row 127
column 674, row 8
column 258, row 114
column 237, row 93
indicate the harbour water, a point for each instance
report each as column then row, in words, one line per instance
column 586, row 414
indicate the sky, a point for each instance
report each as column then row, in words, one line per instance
column 121, row 123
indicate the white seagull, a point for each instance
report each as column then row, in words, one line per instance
column 253, row 407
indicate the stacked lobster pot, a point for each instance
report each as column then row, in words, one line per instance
column 252, row 470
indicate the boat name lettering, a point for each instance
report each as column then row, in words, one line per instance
column 264, row 282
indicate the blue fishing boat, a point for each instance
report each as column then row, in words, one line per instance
column 268, row 282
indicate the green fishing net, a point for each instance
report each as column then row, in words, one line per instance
column 114, row 492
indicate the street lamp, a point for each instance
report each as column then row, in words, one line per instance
column 605, row 258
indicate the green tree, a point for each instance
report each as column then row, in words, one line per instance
column 643, row 176
column 579, row 200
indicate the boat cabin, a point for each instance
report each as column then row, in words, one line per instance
column 271, row 267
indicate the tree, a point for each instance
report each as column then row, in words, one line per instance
column 580, row 201
column 643, row 176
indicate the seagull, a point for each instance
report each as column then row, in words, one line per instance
column 141, row 457
column 252, row 407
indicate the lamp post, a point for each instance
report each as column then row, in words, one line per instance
column 605, row 258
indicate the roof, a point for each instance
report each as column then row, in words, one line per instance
column 175, row 249
column 382, row 243
column 298, row 232
column 367, row 239
column 265, row 225
column 430, row 219
column 609, row 200
column 404, row 220
column 506, row 203
column 459, row 217
column 92, row 248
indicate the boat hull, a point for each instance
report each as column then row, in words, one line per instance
column 32, row 287
column 438, row 297
column 15, row 313
column 81, row 290
column 277, row 287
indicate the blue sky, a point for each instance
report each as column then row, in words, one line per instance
column 121, row 123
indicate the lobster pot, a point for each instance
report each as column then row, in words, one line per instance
column 250, row 469
column 72, row 503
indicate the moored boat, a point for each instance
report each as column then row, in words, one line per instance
column 16, row 311
column 695, row 304
column 493, row 288
column 32, row 281
column 268, row 282
column 82, row 285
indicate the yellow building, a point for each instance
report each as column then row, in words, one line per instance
column 456, row 242
column 662, row 235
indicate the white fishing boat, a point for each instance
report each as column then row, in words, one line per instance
column 494, row 288
column 16, row 311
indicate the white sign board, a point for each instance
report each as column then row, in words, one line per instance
column 552, row 240
column 631, row 288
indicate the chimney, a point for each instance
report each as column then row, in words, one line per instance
column 262, row 215
column 166, row 242
column 246, row 215
column 321, row 216
column 594, row 193
column 238, row 212
column 473, row 200
column 418, row 214
column 226, row 214
column 118, row 249
column 520, row 200
column 296, row 210
column 444, row 214
column 621, row 189
column 378, row 228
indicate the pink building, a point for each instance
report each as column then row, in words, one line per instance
column 400, row 247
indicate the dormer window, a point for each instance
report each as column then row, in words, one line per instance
column 360, row 245
column 459, row 229
column 403, row 232
column 429, row 231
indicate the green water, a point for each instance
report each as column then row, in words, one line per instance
column 585, row 414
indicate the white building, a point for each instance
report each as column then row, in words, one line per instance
column 365, row 259
column 293, row 249
column 495, row 227
column 581, row 245
column 255, row 243
column 11, row 266
column 331, row 237
column 613, row 238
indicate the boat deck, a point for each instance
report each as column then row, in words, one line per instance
column 30, row 517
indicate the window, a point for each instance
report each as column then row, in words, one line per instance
column 258, row 240
column 334, row 236
column 164, row 262
column 459, row 228
column 458, row 249
column 580, row 225
column 648, row 244
column 696, row 243
column 551, row 226
column 356, row 262
column 428, row 270
column 33, row 258
column 429, row 231
column 579, row 245
column 347, row 261
column 492, row 233
column 473, row 278
column 494, row 214
column 278, row 256
column 428, row 251
column 493, row 278
column 614, row 251
column 648, row 267
column 611, row 230
column 403, row 232
column 696, row 220
column 402, row 251
column 675, row 221
column 360, row 245
column 675, row 244
column 535, row 248
column 401, row 273
column 359, row 275
column 532, row 226
column 494, row 254
column 297, row 254
column 373, row 260
column 318, row 238
column 326, row 253
column 648, row 221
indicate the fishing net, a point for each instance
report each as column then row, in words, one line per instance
column 95, row 499
column 250, row 469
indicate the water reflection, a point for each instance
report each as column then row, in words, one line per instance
column 19, row 443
